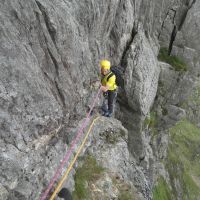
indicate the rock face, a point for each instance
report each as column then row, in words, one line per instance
column 110, row 149
column 108, row 144
column 49, row 55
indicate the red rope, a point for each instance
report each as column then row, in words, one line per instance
column 69, row 152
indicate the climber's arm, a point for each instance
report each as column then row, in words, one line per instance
column 104, row 88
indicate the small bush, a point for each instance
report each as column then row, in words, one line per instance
column 174, row 61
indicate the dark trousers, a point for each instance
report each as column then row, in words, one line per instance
column 110, row 97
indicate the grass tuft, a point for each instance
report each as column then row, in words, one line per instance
column 183, row 160
column 126, row 196
column 88, row 172
column 150, row 121
column 174, row 61
column 182, row 164
column 162, row 191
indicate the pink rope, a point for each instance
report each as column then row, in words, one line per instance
column 69, row 152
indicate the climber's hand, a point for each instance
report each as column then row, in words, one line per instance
column 104, row 88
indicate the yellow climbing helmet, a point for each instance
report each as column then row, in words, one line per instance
column 105, row 64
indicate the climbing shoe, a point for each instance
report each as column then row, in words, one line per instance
column 104, row 113
column 108, row 114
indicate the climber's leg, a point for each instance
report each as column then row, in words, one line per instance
column 104, row 106
column 111, row 99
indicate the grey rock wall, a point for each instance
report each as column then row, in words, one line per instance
column 49, row 55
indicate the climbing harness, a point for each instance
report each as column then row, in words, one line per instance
column 64, row 177
column 70, row 151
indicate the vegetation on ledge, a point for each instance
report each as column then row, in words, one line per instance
column 184, row 160
column 174, row 61
column 88, row 172
column 162, row 191
column 182, row 165
column 93, row 182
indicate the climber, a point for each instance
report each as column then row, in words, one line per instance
column 108, row 87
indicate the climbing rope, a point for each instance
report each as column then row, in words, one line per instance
column 70, row 151
column 64, row 177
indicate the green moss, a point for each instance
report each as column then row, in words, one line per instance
column 126, row 196
column 183, row 160
column 174, row 61
column 160, row 84
column 150, row 121
column 88, row 172
column 162, row 191
column 164, row 111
